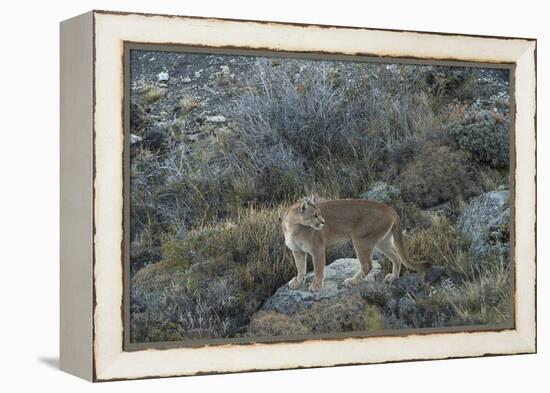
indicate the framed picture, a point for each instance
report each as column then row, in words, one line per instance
column 246, row 195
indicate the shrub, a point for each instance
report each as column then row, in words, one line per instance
column 486, row 136
column 188, row 104
column 456, row 82
column 438, row 174
column 152, row 94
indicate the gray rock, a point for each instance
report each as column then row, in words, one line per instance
column 406, row 307
column 486, row 223
column 434, row 273
column 186, row 80
column 216, row 119
column 287, row 300
column 134, row 139
column 412, row 284
column 163, row 76
column 155, row 138
column 381, row 192
column 486, row 213
column 441, row 209
column 369, row 305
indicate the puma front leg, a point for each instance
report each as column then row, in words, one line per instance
column 300, row 259
column 319, row 269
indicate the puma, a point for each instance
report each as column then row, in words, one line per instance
column 309, row 227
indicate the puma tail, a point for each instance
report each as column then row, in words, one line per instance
column 397, row 233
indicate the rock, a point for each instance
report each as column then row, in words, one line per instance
column 440, row 209
column 186, row 80
column 411, row 284
column 381, row 192
column 375, row 294
column 163, row 76
column 134, row 139
column 486, row 213
column 434, row 273
column 216, row 119
column 371, row 304
column 332, row 309
column 155, row 138
column 288, row 300
column 406, row 307
column 486, row 223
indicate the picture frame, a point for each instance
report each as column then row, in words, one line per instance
column 95, row 154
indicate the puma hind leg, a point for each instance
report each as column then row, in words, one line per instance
column 388, row 248
column 363, row 250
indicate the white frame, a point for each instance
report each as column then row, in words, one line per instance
column 102, row 293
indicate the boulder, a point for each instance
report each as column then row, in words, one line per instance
column 486, row 223
column 381, row 192
column 369, row 305
column 287, row 300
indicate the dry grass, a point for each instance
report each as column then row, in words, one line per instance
column 247, row 252
column 440, row 244
column 152, row 94
column 188, row 104
column 480, row 296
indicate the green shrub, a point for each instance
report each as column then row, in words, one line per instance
column 486, row 136
column 438, row 174
column 455, row 82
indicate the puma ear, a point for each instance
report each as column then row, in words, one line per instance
column 304, row 205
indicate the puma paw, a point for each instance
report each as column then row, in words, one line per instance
column 390, row 278
column 295, row 283
column 315, row 286
column 350, row 281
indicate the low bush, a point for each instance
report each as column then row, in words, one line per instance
column 152, row 94
column 437, row 174
column 486, row 136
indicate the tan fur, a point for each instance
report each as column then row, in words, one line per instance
column 309, row 227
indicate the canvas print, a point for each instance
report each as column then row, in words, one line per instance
column 280, row 197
